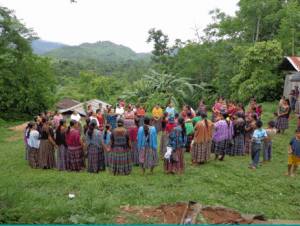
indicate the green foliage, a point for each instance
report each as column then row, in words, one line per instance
column 156, row 97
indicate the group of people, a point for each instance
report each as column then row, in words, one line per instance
column 118, row 139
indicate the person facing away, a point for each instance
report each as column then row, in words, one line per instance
column 294, row 158
column 268, row 143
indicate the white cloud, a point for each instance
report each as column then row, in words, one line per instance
column 125, row 22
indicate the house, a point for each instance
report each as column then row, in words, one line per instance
column 66, row 103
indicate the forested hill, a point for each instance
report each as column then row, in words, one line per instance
column 106, row 51
column 41, row 46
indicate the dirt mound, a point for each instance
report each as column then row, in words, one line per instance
column 186, row 213
column 15, row 137
column 20, row 127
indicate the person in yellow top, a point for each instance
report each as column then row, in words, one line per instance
column 157, row 114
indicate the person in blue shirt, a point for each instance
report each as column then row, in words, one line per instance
column 147, row 146
column 294, row 158
column 170, row 110
column 258, row 135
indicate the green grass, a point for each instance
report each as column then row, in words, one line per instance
column 34, row 196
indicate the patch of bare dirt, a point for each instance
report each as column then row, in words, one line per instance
column 14, row 138
column 20, row 127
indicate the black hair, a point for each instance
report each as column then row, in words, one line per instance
column 298, row 130
column 128, row 107
column 106, row 128
column 157, row 104
column 41, row 113
column 253, row 108
column 188, row 107
column 56, row 111
column 92, row 112
column 198, row 113
column 254, row 116
column 253, row 99
column 221, row 98
column 231, row 102
column 29, row 126
column 89, row 106
column 72, row 123
column 46, row 112
column 217, row 99
column 239, row 114
column 109, row 109
column 189, row 114
column 86, row 126
column 288, row 102
column 272, row 123
column 176, row 115
column 146, row 128
column 204, row 116
column 120, row 122
column 93, row 125
column 35, row 118
column 259, row 124
column 137, row 122
column 97, row 111
column 61, row 123
column 181, row 122
column 119, row 99
column 164, row 121
column 225, row 115
column 100, row 103
column 202, row 101
column 259, row 106
column 45, row 119
column 241, row 105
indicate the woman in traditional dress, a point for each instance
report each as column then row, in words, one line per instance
column 129, row 118
column 177, row 141
column 75, row 116
column 171, row 124
column 89, row 111
column 61, row 162
column 221, row 143
column 282, row 122
column 140, row 113
column 241, row 109
column 37, row 120
column 201, row 147
column 147, row 138
column 95, row 148
column 223, row 106
column 111, row 119
column 252, row 104
column 46, row 153
column 202, row 106
column 184, row 110
column 57, row 117
column 27, row 147
column 120, row 111
column 75, row 153
column 34, row 143
column 85, row 129
column 197, row 118
column 239, row 135
column 231, row 110
column 94, row 117
column 164, row 137
column 133, row 131
column 100, row 120
column 120, row 154
column 189, row 130
column 216, row 109
column 170, row 110
column 157, row 114
column 105, row 113
column 106, row 139
column 249, row 130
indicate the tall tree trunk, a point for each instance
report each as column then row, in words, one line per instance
column 257, row 31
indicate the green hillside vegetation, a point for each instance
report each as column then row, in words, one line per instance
column 105, row 51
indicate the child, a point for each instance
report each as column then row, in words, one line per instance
column 177, row 115
column 294, row 158
column 258, row 135
column 260, row 112
column 189, row 130
column 267, row 146
column 164, row 137
column 106, row 139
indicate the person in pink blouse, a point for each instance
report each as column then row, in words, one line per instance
column 129, row 118
column 56, row 118
column 231, row 110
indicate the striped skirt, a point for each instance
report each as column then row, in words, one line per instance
column 282, row 123
column 61, row 162
column 175, row 166
column 128, row 123
column 150, row 159
column 33, row 161
column 120, row 161
column 220, row 147
column 107, row 155
column 201, row 152
column 247, row 146
column 163, row 143
column 135, row 155
column 96, row 160
column 75, row 159
column 189, row 138
column 238, row 145
column 27, row 155
column 84, row 140
column 157, row 125
column 46, row 155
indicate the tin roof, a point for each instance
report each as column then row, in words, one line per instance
column 66, row 103
column 79, row 107
column 290, row 63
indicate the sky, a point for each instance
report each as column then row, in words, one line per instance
column 124, row 22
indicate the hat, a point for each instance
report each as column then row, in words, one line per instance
column 171, row 119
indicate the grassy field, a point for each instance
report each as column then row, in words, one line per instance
column 34, row 196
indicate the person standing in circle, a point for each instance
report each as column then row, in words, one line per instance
column 157, row 114
column 140, row 113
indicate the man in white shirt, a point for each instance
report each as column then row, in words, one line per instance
column 120, row 111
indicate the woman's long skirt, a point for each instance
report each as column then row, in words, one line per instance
column 178, row 166
column 163, row 143
column 247, row 146
column 46, row 155
column 128, row 123
column 282, row 123
column 61, row 162
column 107, row 155
column 238, row 145
column 96, row 160
column 221, row 147
column 135, row 155
column 201, row 152
column 151, row 158
column 157, row 125
column 75, row 159
column 190, row 138
column 34, row 161
column 142, row 121
column 27, row 155
column 120, row 161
